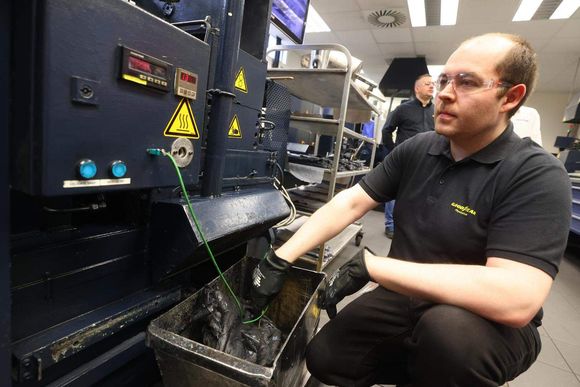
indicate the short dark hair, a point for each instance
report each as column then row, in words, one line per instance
column 519, row 66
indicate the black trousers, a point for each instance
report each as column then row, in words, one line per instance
column 384, row 337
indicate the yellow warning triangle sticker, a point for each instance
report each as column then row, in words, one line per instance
column 182, row 123
column 235, row 131
column 241, row 81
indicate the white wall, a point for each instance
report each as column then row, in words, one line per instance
column 551, row 108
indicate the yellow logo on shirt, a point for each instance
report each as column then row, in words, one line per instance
column 463, row 210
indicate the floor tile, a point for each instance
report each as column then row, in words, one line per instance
column 374, row 232
column 550, row 354
column 567, row 283
column 545, row 375
column 559, row 324
column 571, row 353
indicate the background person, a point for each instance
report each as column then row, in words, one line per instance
column 527, row 124
column 408, row 119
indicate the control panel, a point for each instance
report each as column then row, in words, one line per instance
column 102, row 86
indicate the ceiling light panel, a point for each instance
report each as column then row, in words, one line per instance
column 526, row 10
column 417, row 13
column 566, row 9
column 546, row 9
column 449, row 12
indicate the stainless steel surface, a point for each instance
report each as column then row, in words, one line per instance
column 182, row 152
column 321, row 86
column 358, row 172
column 185, row 361
column 325, row 127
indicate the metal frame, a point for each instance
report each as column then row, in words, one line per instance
column 339, row 123
column 335, row 127
column 228, row 49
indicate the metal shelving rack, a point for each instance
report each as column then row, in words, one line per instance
column 575, row 222
column 334, row 88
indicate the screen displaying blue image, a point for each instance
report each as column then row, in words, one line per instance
column 290, row 17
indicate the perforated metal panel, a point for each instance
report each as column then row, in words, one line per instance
column 278, row 111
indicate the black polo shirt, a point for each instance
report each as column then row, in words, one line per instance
column 408, row 119
column 510, row 200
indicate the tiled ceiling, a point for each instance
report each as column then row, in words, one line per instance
column 556, row 41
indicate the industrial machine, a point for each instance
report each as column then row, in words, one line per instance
column 246, row 124
column 122, row 117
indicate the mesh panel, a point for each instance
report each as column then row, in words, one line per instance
column 278, row 111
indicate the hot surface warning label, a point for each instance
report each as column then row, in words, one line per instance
column 182, row 123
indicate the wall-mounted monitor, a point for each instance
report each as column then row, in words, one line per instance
column 290, row 17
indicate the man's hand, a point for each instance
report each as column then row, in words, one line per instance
column 349, row 279
column 267, row 279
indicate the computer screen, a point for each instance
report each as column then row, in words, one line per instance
column 290, row 17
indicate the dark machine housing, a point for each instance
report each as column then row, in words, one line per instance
column 80, row 98
column 102, row 240
column 248, row 159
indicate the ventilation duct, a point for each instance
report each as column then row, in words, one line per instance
column 400, row 77
column 387, row 18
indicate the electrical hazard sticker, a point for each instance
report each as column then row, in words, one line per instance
column 182, row 123
column 235, row 131
column 241, row 83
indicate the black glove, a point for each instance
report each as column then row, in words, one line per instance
column 267, row 279
column 349, row 279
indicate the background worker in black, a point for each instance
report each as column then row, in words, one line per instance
column 461, row 291
column 413, row 116
column 408, row 119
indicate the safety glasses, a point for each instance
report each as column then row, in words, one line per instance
column 467, row 83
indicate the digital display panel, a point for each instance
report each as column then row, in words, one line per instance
column 139, row 64
column 146, row 67
column 188, row 78
column 185, row 83
column 290, row 16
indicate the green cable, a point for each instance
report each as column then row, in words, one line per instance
column 257, row 318
column 158, row 152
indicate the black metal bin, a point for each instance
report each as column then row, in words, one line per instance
column 187, row 362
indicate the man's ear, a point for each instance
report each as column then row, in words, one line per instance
column 512, row 97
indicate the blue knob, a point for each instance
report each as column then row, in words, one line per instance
column 118, row 169
column 87, row 169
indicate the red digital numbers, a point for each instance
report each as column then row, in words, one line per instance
column 187, row 78
column 139, row 64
